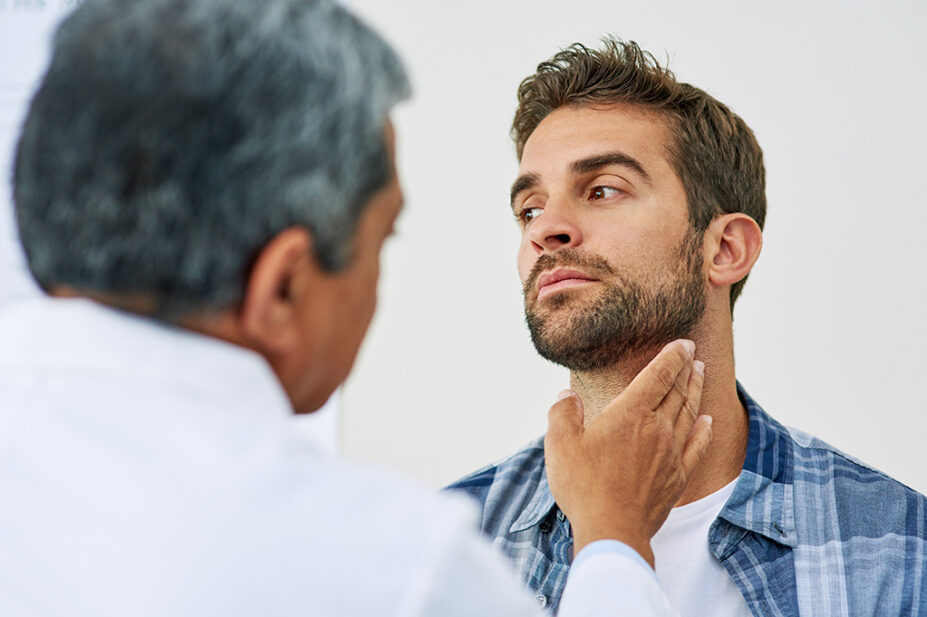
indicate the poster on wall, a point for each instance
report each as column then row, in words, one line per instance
column 26, row 30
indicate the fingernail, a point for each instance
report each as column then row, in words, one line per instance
column 699, row 367
column 565, row 394
column 689, row 346
column 709, row 419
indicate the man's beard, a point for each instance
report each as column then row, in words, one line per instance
column 629, row 316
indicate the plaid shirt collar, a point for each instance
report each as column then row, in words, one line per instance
column 540, row 505
column 766, row 479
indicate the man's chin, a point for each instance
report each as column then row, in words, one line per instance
column 558, row 336
column 579, row 355
column 577, row 341
column 574, row 358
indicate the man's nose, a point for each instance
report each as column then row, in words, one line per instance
column 554, row 229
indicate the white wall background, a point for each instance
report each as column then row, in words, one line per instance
column 830, row 332
column 25, row 30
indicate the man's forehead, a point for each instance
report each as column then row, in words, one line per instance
column 573, row 133
column 574, row 139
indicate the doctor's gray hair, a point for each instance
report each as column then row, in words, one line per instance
column 170, row 140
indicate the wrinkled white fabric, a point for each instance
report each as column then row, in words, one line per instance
column 146, row 470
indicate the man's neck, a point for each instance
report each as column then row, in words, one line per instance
column 725, row 456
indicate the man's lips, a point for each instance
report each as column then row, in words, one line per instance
column 559, row 279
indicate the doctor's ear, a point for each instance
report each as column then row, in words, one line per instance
column 732, row 244
column 280, row 279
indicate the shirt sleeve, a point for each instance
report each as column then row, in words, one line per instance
column 610, row 578
column 471, row 579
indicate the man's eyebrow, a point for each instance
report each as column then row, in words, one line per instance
column 599, row 161
column 522, row 183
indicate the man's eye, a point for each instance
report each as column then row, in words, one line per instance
column 529, row 214
column 602, row 192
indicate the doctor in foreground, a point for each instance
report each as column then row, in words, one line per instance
column 205, row 187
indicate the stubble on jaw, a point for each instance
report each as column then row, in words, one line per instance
column 627, row 317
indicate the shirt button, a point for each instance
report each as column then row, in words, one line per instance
column 542, row 600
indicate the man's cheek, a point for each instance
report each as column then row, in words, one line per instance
column 525, row 263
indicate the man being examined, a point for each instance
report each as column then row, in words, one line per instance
column 641, row 202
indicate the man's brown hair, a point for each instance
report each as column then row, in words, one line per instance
column 712, row 150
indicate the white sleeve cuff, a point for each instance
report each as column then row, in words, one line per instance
column 613, row 547
column 608, row 577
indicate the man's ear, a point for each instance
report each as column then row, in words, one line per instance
column 271, row 312
column 733, row 242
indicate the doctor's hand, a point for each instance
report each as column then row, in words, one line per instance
column 619, row 476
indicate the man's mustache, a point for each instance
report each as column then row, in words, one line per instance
column 593, row 265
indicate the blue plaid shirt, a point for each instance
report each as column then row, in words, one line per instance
column 807, row 531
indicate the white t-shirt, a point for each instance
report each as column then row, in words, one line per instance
column 149, row 471
column 695, row 582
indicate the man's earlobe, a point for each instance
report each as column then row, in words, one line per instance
column 273, row 300
column 735, row 241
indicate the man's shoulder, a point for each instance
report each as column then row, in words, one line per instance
column 869, row 499
column 509, row 489
column 255, row 529
column 810, row 448
column 526, row 463
column 799, row 489
column 858, row 534
column 396, row 500
column 812, row 466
